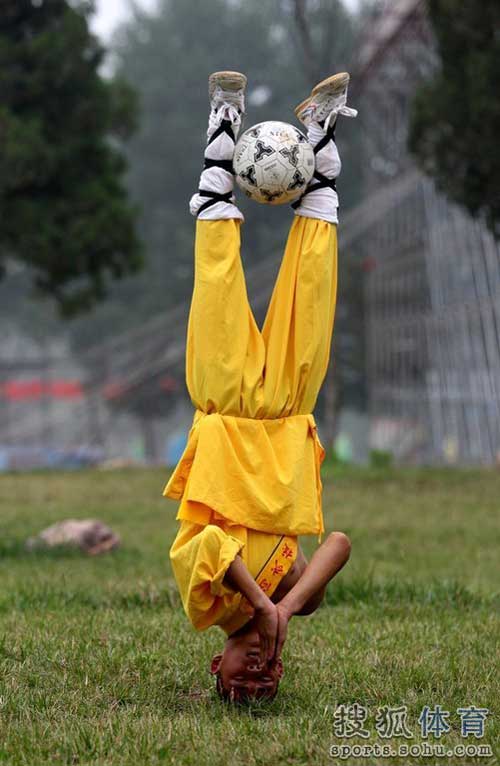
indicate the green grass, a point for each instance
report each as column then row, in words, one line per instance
column 98, row 664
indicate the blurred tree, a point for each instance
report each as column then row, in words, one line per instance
column 456, row 116
column 63, row 205
column 324, row 35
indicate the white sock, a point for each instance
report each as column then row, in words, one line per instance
column 321, row 203
column 218, row 180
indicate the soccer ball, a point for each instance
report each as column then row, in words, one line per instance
column 273, row 162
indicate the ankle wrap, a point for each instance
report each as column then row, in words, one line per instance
column 225, row 126
column 224, row 164
column 323, row 182
column 213, row 198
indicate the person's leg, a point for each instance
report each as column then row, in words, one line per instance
column 224, row 352
column 319, row 114
column 214, row 199
column 299, row 324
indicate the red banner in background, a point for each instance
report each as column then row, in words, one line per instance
column 36, row 388
column 64, row 389
column 24, row 390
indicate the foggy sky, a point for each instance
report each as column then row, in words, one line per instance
column 111, row 12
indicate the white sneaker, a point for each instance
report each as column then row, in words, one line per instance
column 327, row 100
column 226, row 91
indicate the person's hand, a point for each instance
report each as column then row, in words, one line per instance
column 283, row 619
column 266, row 623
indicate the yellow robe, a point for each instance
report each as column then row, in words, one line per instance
column 249, row 478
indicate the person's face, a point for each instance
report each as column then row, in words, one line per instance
column 241, row 672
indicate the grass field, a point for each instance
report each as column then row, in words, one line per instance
column 98, row 664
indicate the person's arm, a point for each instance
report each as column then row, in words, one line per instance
column 265, row 613
column 324, row 565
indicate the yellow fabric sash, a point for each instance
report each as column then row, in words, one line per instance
column 278, row 564
column 259, row 473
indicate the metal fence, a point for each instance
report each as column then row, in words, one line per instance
column 432, row 292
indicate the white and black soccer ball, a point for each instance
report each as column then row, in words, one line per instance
column 273, row 162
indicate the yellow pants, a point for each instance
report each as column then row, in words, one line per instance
column 251, row 465
column 232, row 367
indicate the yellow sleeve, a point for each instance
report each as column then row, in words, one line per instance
column 201, row 556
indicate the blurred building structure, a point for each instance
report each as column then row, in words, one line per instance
column 432, row 298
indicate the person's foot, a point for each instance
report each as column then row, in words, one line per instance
column 327, row 100
column 214, row 199
column 226, row 91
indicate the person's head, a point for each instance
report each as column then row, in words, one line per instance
column 240, row 676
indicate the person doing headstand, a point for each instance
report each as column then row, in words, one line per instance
column 249, row 479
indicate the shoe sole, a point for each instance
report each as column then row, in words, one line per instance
column 300, row 107
column 336, row 83
column 227, row 81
